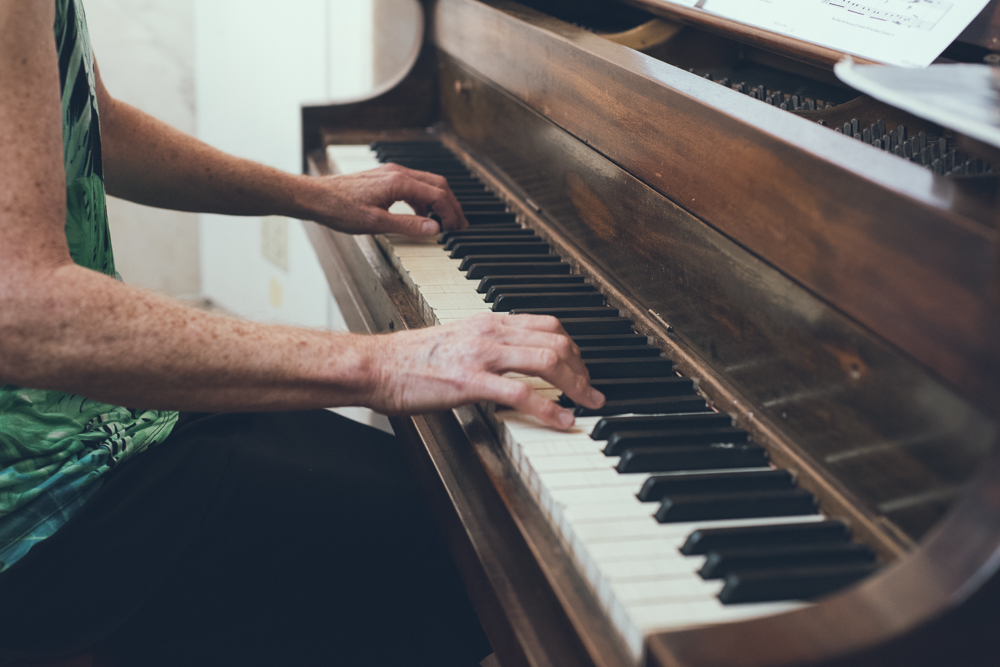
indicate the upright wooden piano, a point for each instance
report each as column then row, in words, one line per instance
column 798, row 329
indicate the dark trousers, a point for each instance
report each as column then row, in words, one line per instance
column 248, row 539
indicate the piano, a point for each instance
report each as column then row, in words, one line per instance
column 788, row 292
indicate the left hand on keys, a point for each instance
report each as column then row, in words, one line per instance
column 358, row 203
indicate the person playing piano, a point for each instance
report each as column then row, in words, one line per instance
column 170, row 490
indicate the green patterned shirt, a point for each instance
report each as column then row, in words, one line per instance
column 55, row 447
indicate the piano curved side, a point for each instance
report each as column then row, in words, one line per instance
column 940, row 605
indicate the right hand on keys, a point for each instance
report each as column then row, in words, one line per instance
column 463, row 362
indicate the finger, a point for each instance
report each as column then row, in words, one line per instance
column 400, row 223
column 562, row 344
column 535, row 322
column 569, row 375
column 416, row 193
column 447, row 206
column 523, row 398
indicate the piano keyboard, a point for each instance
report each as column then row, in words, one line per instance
column 674, row 516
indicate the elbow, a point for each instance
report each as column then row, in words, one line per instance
column 29, row 333
column 17, row 354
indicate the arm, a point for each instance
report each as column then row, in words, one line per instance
column 150, row 162
column 68, row 328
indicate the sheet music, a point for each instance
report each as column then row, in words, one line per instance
column 962, row 97
column 907, row 33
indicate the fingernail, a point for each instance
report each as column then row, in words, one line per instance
column 566, row 418
column 596, row 397
column 429, row 227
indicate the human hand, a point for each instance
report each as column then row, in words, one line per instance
column 358, row 203
column 460, row 363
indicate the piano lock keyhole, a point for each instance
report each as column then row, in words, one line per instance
column 392, row 325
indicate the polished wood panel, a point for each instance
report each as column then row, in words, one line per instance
column 883, row 240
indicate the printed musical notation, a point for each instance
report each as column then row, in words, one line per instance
column 909, row 33
column 914, row 14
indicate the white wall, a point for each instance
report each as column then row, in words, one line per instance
column 145, row 51
column 257, row 61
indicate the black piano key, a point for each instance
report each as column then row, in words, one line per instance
column 712, row 457
column 611, row 425
column 507, row 229
column 657, row 487
column 615, row 389
column 626, row 368
column 612, row 339
column 391, row 145
column 415, row 155
column 394, row 146
column 528, row 247
column 385, row 151
column 592, row 311
column 510, row 300
column 661, row 405
column 746, row 505
column 445, row 159
column 450, row 238
column 622, row 440
column 475, row 197
column 486, row 268
column 441, row 168
column 399, row 152
column 704, row 540
column 801, row 584
column 477, row 218
column 718, row 564
column 595, row 325
column 469, row 260
column 489, row 281
column 618, row 352
column 492, row 235
column 482, row 206
column 495, row 291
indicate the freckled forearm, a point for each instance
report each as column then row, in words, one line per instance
column 151, row 163
column 126, row 346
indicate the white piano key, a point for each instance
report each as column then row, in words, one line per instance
column 644, row 570
column 575, row 462
column 591, row 495
column 359, row 152
column 685, row 586
column 615, row 511
column 670, row 615
column 455, row 301
column 584, row 479
column 557, row 448
column 440, row 264
column 401, row 208
column 417, row 250
column 455, row 315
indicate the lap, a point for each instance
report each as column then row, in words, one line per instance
column 266, row 538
